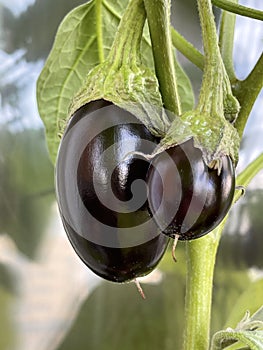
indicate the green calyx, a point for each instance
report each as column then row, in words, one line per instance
column 210, row 124
column 212, row 134
column 123, row 80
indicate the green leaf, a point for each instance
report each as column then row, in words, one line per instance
column 83, row 40
column 249, row 331
column 223, row 339
column 185, row 89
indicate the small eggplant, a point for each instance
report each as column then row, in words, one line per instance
column 186, row 198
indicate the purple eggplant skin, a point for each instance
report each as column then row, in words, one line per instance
column 118, row 242
column 186, row 197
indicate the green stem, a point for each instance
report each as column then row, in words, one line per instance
column 246, row 92
column 187, row 49
column 238, row 9
column 201, row 254
column 248, row 174
column 158, row 16
column 211, row 94
column 226, row 41
column 179, row 42
column 126, row 46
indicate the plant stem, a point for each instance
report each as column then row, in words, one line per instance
column 201, row 255
column 158, row 16
column 226, row 41
column 187, row 49
column 211, row 94
column 239, row 9
column 246, row 92
column 179, row 42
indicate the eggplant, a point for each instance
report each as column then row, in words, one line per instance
column 102, row 193
column 187, row 199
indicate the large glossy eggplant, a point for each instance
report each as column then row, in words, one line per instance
column 102, row 194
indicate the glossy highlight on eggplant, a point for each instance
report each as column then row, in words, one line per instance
column 102, row 193
column 186, row 197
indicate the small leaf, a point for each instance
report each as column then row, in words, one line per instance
column 249, row 331
column 253, row 339
column 251, row 323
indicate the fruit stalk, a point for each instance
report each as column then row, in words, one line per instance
column 158, row 16
column 211, row 94
column 126, row 46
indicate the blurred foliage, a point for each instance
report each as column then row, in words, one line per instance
column 250, row 299
column 7, row 281
column 7, row 334
column 242, row 247
column 26, row 188
column 34, row 30
column 115, row 316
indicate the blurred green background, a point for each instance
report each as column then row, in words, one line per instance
column 48, row 299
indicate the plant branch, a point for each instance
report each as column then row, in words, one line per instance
column 187, row 49
column 238, row 9
column 226, row 40
column 246, row 92
column 248, row 174
column 158, row 16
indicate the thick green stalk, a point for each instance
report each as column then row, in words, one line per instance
column 158, row 16
column 201, row 254
column 211, row 94
column 126, row 46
